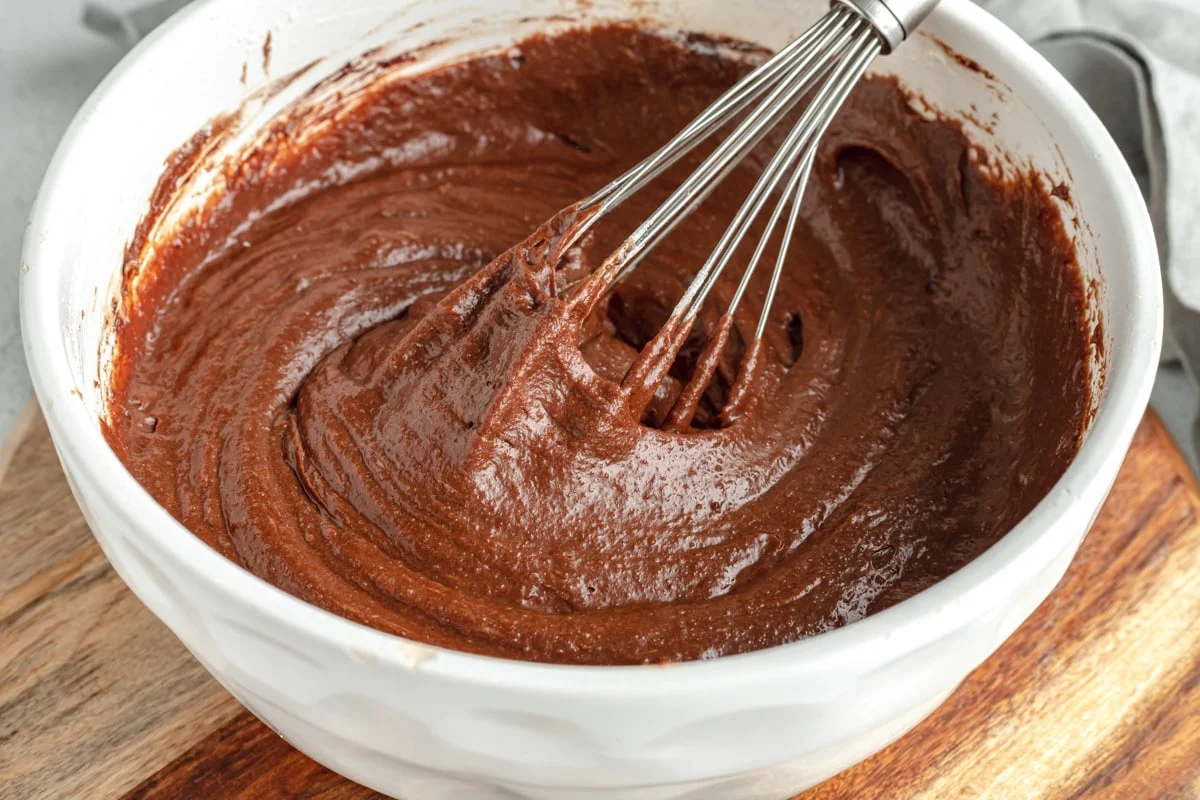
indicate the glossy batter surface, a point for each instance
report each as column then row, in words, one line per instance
column 369, row 397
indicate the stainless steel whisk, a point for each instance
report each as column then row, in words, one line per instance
column 823, row 65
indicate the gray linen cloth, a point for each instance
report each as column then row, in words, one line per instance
column 1137, row 62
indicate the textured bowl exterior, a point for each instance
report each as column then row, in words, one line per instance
column 415, row 721
column 413, row 733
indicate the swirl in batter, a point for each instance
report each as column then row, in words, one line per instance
column 376, row 395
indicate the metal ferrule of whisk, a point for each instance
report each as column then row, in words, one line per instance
column 816, row 71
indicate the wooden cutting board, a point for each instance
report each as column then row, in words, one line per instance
column 1097, row 695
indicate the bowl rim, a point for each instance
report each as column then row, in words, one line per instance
column 941, row 607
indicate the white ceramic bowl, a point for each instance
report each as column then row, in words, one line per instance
column 421, row 722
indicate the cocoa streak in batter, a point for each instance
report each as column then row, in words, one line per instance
column 371, row 398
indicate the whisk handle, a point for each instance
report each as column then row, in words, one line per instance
column 893, row 20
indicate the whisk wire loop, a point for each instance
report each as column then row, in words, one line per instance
column 818, row 69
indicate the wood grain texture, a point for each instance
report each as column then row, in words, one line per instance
column 95, row 693
column 1097, row 695
column 245, row 759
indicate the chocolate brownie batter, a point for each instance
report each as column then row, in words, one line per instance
column 359, row 374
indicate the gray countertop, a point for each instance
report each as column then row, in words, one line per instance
column 48, row 65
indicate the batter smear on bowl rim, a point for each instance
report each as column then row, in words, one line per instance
column 374, row 393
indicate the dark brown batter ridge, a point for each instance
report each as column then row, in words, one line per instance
column 377, row 396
